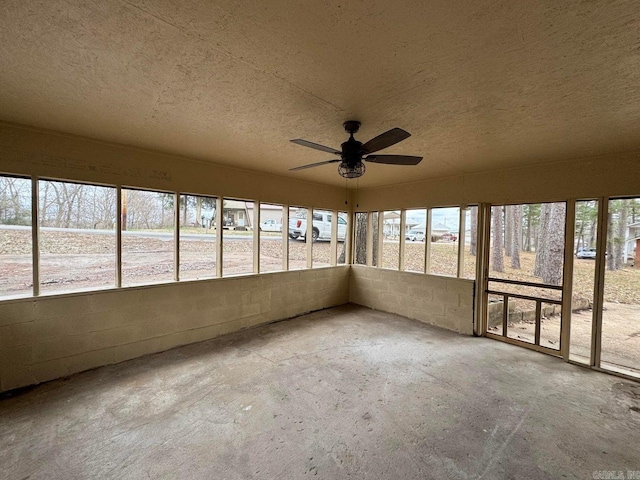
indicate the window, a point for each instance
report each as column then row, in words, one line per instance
column 620, row 343
column 391, row 240
column 584, row 275
column 468, row 241
column 526, row 260
column 341, row 244
column 360, row 253
column 375, row 243
column 237, row 237
column 297, row 231
column 148, row 242
column 77, row 236
column 16, row 260
column 527, row 242
column 443, row 240
column 197, row 220
column 271, row 242
column 415, row 240
column 321, row 254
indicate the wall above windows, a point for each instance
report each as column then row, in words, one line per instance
column 579, row 178
column 27, row 151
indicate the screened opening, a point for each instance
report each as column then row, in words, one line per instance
column 197, row 219
column 16, row 251
column 77, row 236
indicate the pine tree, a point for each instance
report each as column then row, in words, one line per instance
column 497, row 258
column 516, row 236
column 473, row 211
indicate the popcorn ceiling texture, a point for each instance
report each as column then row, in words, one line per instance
column 481, row 85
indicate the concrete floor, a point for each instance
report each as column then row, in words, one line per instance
column 345, row 392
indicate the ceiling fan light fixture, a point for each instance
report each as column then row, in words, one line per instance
column 351, row 172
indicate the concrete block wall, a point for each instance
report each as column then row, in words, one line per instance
column 441, row 301
column 51, row 337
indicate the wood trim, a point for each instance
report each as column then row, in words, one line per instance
column 35, row 236
column 567, row 279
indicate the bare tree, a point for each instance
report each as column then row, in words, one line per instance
column 374, row 228
column 616, row 237
column 516, row 236
column 361, row 239
column 473, row 211
column 508, row 229
column 15, row 201
column 540, row 246
column 497, row 257
column 550, row 248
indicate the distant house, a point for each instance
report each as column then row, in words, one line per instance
column 235, row 213
column 267, row 212
column 439, row 229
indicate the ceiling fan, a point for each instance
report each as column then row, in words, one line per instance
column 354, row 152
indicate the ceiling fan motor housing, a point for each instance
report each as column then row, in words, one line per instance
column 352, row 152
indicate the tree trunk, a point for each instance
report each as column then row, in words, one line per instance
column 516, row 237
column 527, row 241
column 508, row 229
column 361, row 239
column 473, row 211
column 541, row 244
column 199, row 210
column 552, row 250
column 374, row 232
column 184, row 212
column 497, row 258
column 618, row 253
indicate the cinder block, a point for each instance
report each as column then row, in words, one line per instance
column 144, row 347
column 435, row 282
column 16, row 334
column 465, row 314
column 15, row 378
column 13, row 358
column 434, row 308
column 89, row 360
column 418, row 314
column 452, row 298
column 50, row 369
column 421, row 292
column 62, row 306
column 438, row 297
column 466, row 300
column 61, row 347
column 250, row 309
column 21, row 311
column 401, row 309
column 460, row 285
column 410, row 278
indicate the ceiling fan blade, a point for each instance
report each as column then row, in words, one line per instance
column 316, row 146
column 394, row 159
column 314, row 165
column 384, row 140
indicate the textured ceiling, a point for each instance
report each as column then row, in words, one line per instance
column 481, row 85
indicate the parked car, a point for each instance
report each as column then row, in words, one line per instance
column 449, row 237
column 321, row 226
column 271, row 226
column 586, row 253
column 415, row 235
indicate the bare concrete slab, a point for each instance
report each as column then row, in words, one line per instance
column 345, row 392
